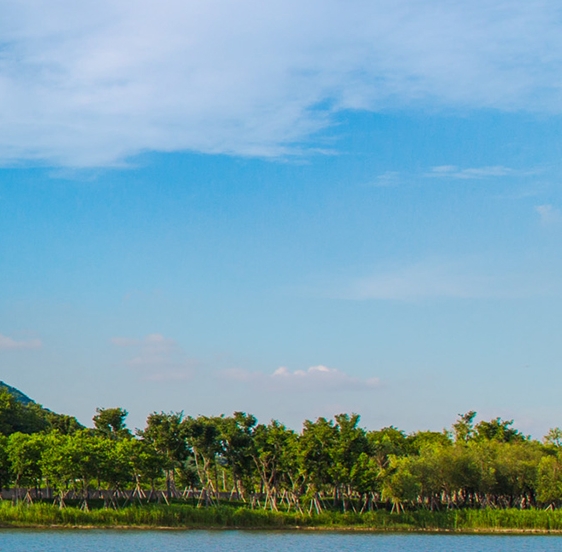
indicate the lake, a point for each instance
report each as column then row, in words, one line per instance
column 258, row 541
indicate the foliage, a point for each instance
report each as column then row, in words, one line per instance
column 110, row 423
column 332, row 465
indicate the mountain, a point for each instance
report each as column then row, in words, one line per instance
column 19, row 413
column 17, row 394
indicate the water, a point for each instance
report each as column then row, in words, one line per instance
column 250, row 541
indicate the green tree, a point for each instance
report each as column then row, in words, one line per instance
column 237, row 439
column 56, row 464
column 166, row 433
column 275, row 461
column 498, row 430
column 549, row 481
column 463, row 428
column 387, row 442
column 16, row 417
column 203, row 435
column 5, row 467
column 110, row 423
column 24, row 455
column 350, row 441
column 85, row 460
column 554, row 437
column 367, row 482
column 315, row 444
column 147, row 465
column 400, row 484
column 65, row 425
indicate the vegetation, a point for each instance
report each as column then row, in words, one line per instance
column 18, row 413
column 234, row 471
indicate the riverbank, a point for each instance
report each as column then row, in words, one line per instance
column 184, row 516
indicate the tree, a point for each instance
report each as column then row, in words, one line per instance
column 5, row 467
column 366, row 477
column 463, row 428
column 420, row 440
column 16, row 417
column 275, row 460
column 238, row 447
column 554, row 437
column 65, row 425
column 549, row 480
column 147, row 465
column 316, row 441
column 498, row 430
column 400, row 485
column 350, row 441
column 110, row 423
column 387, row 442
column 203, row 434
column 24, row 454
column 516, row 466
column 429, row 468
column 80, row 459
column 56, row 464
column 115, row 467
column 166, row 433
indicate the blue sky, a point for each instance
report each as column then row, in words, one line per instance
column 293, row 209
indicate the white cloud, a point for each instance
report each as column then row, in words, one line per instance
column 548, row 214
column 92, row 83
column 315, row 378
column 10, row 344
column 157, row 358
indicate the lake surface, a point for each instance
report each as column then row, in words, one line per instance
column 249, row 541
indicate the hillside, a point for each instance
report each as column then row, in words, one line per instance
column 16, row 393
column 19, row 413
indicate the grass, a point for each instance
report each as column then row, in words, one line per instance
column 174, row 515
column 225, row 516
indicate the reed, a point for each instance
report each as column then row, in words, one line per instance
column 173, row 515
column 225, row 516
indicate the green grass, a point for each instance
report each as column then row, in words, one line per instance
column 225, row 516
column 174, row 515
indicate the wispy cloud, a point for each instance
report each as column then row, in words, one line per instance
column 548, row 214
column 157, row 358
column 315, row 378
column 393, row 178
column 90, row 84
column 452, row 171
column 418, row 281
column 9, row 344
column 387, row 179
column 436, row 278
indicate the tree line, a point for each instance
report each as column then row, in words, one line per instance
column 330, row 464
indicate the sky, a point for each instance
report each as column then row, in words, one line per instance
column 293, row 209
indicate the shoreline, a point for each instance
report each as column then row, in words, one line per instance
column 497, row 531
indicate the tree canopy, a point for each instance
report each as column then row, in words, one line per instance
column 330, row 463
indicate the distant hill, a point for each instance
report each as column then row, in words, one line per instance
column 17, row 394
column 22, row 414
